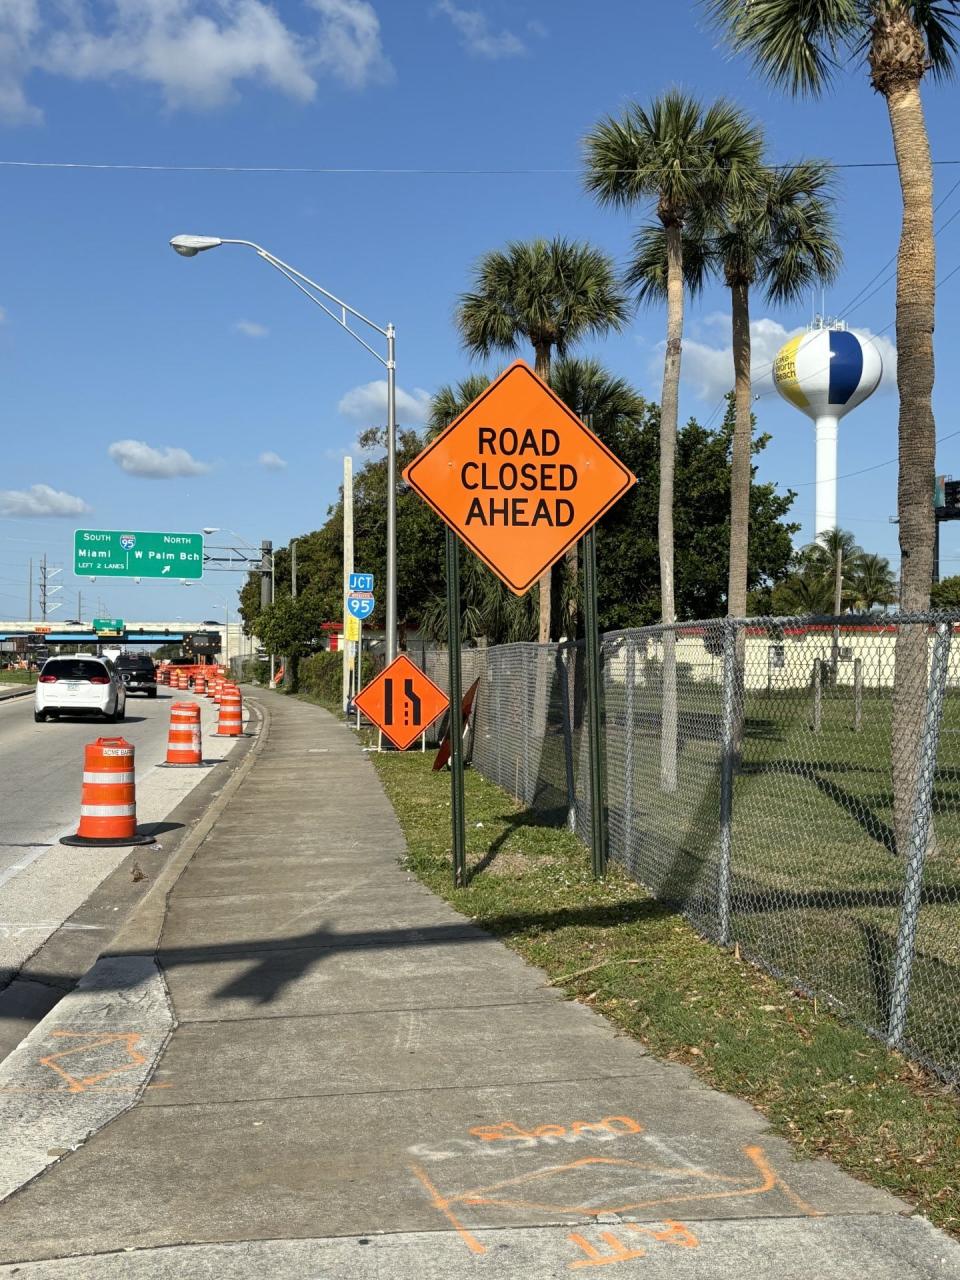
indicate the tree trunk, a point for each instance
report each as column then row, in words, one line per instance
column 741, row 455
column 917, row 438
column 669, row 402
column 542, row 370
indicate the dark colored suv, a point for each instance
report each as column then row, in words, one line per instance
column 138, row 673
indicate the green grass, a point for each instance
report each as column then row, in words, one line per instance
column 18, row 677
column 823, row 1083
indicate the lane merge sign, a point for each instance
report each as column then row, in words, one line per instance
column 128, row 553
column 519, row 477
column 402, row 702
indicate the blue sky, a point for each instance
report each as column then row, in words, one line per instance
column 113, row 351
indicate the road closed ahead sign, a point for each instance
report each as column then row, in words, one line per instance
column 519, row 477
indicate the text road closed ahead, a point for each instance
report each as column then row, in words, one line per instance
column 519, row 477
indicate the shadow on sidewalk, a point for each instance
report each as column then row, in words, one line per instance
column 264, row 981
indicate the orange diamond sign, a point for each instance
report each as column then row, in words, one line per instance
column 402, row 702
column 519, row 477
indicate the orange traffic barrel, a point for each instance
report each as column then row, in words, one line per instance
column 108, row 799
column 199, row 683
column 218, row 689
column 230, row 723
column 183, row 740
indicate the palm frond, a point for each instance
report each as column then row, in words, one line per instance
column 938, row 21
column 647, row 269
column 794, row 43
column 550, row 293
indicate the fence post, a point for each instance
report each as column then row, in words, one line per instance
column 631, row 681
column 817, row 693
column 919, row 837
column 566, row 726
column 598, row 817
column 727, row 753
column 857, row 695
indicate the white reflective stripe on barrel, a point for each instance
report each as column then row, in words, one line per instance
column 107, row 810
column 105, row 779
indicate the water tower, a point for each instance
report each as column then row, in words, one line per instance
column 826, row 372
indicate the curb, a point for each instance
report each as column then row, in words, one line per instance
column 140, row 934
column 19, row 693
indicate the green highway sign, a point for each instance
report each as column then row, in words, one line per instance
column 108, row 624
column 119, row 553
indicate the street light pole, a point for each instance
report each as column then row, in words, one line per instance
column 190, row 246
column 391, row 497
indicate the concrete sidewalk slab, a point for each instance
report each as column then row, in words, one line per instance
column 338, row 1100
column 842, row 1248
column 305, row 981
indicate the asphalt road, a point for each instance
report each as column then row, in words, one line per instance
column 41, row 881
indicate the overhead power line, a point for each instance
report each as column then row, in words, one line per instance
column 413, row 171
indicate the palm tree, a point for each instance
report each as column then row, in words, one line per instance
column 781, row 238
column 873, row 583
column 798, row 44
column 807, row 591
column 835, row 550
column 778, row 234
column 550, row 293
column 450, row 401
column 676, row 156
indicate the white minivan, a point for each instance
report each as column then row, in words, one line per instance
column 80, row 685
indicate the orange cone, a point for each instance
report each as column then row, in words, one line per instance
column 230, row 724
column 108, row 799
column 183, row 740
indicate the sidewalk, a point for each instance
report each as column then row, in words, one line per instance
column 359, row 1083
column 15, row 691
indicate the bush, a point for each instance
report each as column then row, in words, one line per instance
column 321, row 676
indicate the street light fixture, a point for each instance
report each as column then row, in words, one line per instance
column 190, row 246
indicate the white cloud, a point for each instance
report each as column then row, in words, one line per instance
column 473, row 28
column 137, row 458
column 251, row 329
column 272, row 461
column 349, row 42
column 195, row 53
column 40, row 500
column 367, row 404
column 708, row 367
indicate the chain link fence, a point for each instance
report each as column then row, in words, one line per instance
column 810, row 812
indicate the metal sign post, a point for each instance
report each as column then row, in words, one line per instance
column 457, row 804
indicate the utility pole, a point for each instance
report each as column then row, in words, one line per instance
column 347, row 569
column 46, row 591
column 30, row 592
column 266, row 584
column 293, row 568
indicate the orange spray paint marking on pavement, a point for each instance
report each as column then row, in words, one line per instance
column 439, row 1202
column 673, row 1233
column 510, row 1193
column 93, row 1040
